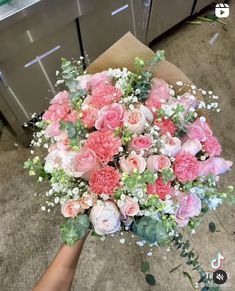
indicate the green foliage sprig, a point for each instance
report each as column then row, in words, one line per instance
column 74, row 229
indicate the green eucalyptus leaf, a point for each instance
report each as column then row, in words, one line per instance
column 145, row 267
column 74, row 229
column 186, row 274
column 212, row 227
column 150, row 279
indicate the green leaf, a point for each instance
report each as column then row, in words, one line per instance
column 145, row 266
column 183, row 254
column 212, row 227
column 204, row 209
column 150, row 279
column 74, row 229
column 186, row 274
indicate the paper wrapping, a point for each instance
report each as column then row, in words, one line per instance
column 123, row 53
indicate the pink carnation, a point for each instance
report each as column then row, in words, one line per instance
column 89, row 116
column 59, row 109
column 110, row 117
column 61, row 98
column 212, row 146
column 104, row 181
column 159, row 188
column 104, row 94
column 166, row 125
column 186, row 167
column 104, row 144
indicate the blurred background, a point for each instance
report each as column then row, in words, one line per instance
column 34, row 35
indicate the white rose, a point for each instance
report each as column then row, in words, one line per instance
column 105, row 218
column 171, row 146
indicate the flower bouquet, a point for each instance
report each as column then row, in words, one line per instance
column 129, row 148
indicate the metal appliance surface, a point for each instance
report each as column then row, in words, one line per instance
column 32, row 43
column 107, row 21
column 200, row 4
column 165, row 14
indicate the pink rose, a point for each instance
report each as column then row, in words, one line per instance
column 157, row 163
column 84, row 163
column 71, row 209
column 190, row 206
column 215, row 166
column 171, row 146
column 142, row 142
column 83, row 81
column 212, row 146
column 110, row 117
column 132, row 162
column 159, row 94
column 136, row 121
column 105, row 218
column 53, row 130
column 129, row 208
column 192, row 146
column 199, row 129
column 99, row 79
column 186, row 167
column 160, row 89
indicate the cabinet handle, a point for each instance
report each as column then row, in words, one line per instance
column 120, row 9
column 39, row 58
column 3, row 80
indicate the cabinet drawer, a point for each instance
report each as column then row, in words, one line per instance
column 165, row 14
column 28, row 77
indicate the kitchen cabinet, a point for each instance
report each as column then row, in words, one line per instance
column 107, row 21
column 165, row 14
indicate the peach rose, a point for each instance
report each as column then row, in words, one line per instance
column 132, row 162
column 192, row 146
column 142, row 142
column 129, row 208
column 136, row 121
column 157, row 163
column 84, row 163
column 71, row 209
column 110, row 117
column 87, row 201
column 105, row 218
